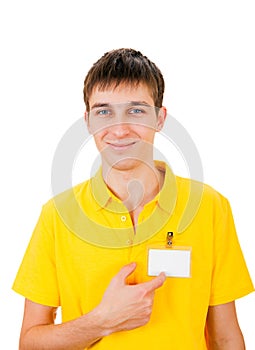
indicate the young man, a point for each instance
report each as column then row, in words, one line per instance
column 91, row 251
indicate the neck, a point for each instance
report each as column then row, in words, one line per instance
column 135, row 186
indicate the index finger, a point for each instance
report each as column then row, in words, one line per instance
column 155, row 282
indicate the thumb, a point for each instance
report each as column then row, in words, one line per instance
column 124, row 272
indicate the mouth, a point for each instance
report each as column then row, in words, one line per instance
column 121, row 145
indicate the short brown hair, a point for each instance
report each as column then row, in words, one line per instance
column 124, row 66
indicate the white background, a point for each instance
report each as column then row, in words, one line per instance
column 206, row 53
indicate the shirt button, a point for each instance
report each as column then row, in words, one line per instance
column 123, row 218
column 129, row 241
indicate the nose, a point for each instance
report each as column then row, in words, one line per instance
column 120, row 126
column 120, row 129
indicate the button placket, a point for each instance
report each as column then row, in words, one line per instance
column 126, row 222
column 130, row 242
column 123, row 218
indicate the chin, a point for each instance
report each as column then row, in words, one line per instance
column 124, row 164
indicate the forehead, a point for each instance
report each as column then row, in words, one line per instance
column 123, row 93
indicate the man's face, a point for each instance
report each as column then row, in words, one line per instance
column 123, row 121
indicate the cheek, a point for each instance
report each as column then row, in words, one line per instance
column 98, row 138
column 146, row 133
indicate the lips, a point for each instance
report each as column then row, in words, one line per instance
column 121, row 145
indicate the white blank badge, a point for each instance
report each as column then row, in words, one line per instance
column 174, row 262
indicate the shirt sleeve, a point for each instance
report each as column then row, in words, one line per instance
column 36, row 279
column 230, row 276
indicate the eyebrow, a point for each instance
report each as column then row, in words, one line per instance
column 130, row 103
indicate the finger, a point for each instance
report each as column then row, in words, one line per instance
column 124, row 272
column 155, row 282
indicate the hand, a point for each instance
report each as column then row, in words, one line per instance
column 125, row 307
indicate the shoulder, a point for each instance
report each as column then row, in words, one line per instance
column 67, row 198
column 203, row 194
column 201, row 204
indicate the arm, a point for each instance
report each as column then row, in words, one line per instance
column 123, row 307
column 39, row 331
column 223, row 332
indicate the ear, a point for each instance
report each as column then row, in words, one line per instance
column 86, row 118
column 161, row 118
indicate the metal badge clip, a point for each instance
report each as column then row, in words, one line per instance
column 169, row 239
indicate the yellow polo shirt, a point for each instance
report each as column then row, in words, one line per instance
column 85, row 235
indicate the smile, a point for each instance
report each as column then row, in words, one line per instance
column 121, row 146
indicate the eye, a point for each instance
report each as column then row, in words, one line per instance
column 136, row 111
column 103, row 112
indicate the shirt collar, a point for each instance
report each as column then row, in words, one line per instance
column 102, row 197
column 168, row 195
column 100, row 193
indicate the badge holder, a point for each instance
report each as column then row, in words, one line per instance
column 175, row 261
